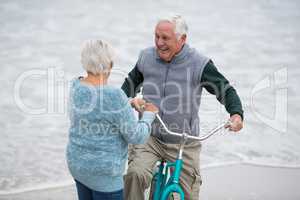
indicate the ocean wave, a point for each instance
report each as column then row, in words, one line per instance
column 258, row 164
column 37, row 188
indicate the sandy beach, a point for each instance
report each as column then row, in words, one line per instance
column 255, row 44
column 250, row 182
column 233, row 182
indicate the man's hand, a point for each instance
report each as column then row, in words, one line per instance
column 138, row 104
column 236, row 123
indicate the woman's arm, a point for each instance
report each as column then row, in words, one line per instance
column 133, row 130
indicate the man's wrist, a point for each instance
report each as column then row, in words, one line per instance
column 237, row 113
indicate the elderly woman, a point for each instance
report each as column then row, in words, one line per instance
column 102, row 125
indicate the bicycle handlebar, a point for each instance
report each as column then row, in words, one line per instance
column 185, row 135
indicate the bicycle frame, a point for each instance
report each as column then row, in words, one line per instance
column 164, row 186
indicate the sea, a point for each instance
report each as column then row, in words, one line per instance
column 255, row 44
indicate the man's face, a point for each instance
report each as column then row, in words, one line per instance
column 166, row 41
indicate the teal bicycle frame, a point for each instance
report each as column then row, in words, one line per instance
column 164, row 183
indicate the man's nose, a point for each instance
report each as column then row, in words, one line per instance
column 160, row 42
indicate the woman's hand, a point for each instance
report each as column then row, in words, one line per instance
column 138, row 104
column 151, row 107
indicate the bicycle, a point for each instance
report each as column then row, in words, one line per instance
column 165, row 183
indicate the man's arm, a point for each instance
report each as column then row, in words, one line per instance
column 215, row 83
column 133, row 82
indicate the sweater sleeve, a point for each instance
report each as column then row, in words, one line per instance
column 134, row 131
column 215, row 83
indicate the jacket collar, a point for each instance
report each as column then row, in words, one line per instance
column 177, row 57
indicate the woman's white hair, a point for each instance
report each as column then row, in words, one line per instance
column 96, row 56
column 181, row 27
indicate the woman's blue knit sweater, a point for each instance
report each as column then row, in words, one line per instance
column 102, row 125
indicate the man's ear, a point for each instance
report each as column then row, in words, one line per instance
column 183, row 38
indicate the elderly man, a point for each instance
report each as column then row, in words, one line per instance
column 172, row 75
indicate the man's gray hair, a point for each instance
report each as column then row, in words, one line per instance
column 181, row 27
column 96, row 56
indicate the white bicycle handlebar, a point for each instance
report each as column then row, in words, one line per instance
column 212, row 132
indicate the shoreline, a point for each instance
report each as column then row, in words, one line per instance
column 70, row 183
column 228, row 182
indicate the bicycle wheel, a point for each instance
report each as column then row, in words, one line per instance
column 173, row 191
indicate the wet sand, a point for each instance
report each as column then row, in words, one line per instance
column 235, row 182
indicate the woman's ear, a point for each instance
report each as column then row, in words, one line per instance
column 109, row 69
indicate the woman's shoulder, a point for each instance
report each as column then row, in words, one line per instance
column 117, row 94
column 75, row 82
column 114, row 94
column 114, row 98
column 76, row 87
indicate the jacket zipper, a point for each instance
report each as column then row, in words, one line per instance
column 164, row 89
